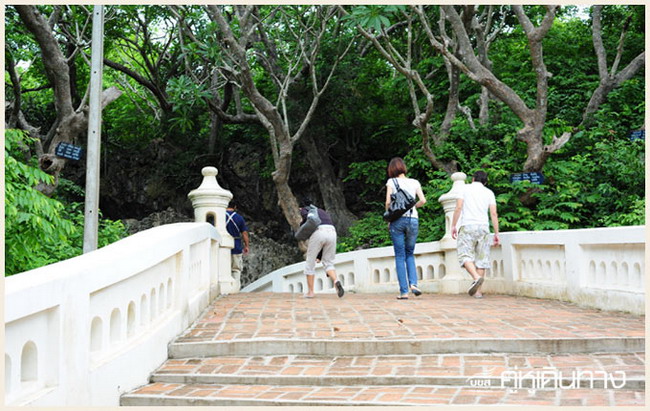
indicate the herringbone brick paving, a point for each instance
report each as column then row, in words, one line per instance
column 633, row 364
column 382, row 317
column 385, row 395
column 413, row 379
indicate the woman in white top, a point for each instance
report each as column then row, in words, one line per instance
column 404, row 231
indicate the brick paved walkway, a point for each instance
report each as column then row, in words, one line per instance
column 382, row 317
column 230, row 355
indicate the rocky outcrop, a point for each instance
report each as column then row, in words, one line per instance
column 168, row 216
column 266, row 254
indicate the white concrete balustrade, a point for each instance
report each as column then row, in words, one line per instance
column 82, row 331
column 599, row 268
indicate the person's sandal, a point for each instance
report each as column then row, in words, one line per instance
column 339, row 289
column 475, row 286
column 416, row 291
column 402, row 297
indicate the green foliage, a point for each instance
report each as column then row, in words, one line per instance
column 363, row 119
column 373, row 17
column 187, row 96
column 370, row 173
column 367, row 232
column 40, row 230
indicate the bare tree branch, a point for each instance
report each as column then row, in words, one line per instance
column 609, row 80
column 597, row 38
column 55, row 63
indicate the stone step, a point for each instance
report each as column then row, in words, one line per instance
column 454, row 370
column 333, row 347
column 172, row 394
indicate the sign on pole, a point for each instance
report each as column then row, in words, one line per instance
column 69, row 151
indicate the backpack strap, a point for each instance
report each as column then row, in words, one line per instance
column 229, row 219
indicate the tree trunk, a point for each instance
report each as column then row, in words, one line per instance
column 70, row 125
column 286, row 199
column 330, row 186
column 215, row 129
column 536, row 156
column 484, row 108
column 274, row 117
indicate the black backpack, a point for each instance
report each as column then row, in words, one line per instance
column 309, row 226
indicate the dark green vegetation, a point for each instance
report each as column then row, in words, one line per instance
column 40, row 230
column 189, row 100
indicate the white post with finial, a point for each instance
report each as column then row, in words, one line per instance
column 456, row 280
column 210, row 202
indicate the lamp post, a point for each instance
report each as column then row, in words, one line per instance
column 91, row 218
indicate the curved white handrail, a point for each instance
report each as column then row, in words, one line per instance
column 85, row 330
column 599, row 267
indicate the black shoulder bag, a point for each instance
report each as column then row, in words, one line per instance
column 400, row 203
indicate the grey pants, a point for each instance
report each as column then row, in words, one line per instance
column 236, row 266
column 323, row 238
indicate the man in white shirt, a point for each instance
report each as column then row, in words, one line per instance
column 474, row 229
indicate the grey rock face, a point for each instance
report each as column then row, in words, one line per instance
column 265, row 256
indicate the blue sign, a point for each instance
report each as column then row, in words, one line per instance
column 637, row 135
column 69, row 151
column 535, row 178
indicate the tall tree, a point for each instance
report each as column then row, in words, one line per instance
column 71, row 122
column 533, row 119
column 247, row 46
column 378, row 30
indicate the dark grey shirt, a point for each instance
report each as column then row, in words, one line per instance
column 325, row 218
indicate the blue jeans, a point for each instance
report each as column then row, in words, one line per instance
column 404, row 233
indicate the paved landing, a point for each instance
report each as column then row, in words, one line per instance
column 382, row 317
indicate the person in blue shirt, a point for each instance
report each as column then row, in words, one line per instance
column 236, row 227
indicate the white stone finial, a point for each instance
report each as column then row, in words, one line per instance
column 448, row 201
column 459, row 181
column 458, row 176
column 209, row 199
column 209, row 171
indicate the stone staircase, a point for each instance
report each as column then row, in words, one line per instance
column 266, row 349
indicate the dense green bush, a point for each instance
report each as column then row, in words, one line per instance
column 597, row 180
column 40, row 230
